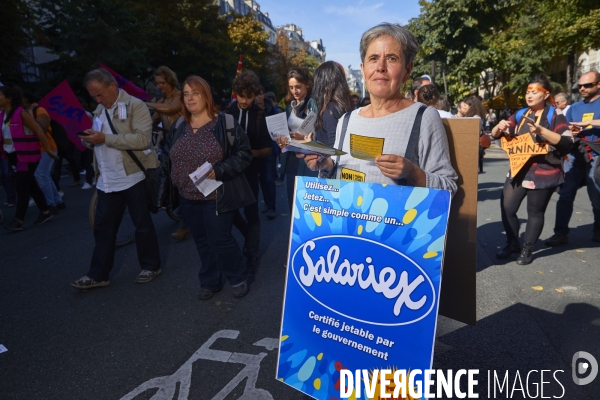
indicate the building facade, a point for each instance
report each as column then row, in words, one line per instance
column 355, row 81
column 244, row 7
column 297, row 42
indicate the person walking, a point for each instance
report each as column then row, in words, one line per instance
column 43, row 172
column 268, row 173
column 541, row 174
column 252, row 119
column 580, row 164
column 210, row 136
column 123, row 140
column 21, row 138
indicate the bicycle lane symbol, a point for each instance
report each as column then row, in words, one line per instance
column 167, row 384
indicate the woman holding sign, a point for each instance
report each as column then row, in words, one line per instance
column 208, row 138
column 535, row 139
column 392, row 140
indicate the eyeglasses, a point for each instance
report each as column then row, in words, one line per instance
column 587, row 85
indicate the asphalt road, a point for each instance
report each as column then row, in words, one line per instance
column 157, row 340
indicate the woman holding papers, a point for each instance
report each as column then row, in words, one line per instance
column 394, row 140
column 300, row 105
column 208, row 136
column 539, row 175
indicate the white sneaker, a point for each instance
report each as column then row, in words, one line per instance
column 86, row 186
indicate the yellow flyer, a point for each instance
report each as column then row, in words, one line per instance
column 366, row 148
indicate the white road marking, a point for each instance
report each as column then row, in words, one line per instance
column 167, row 384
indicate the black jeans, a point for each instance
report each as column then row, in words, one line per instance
column 217, row 248
column 268, row 174
column 109, row 212
column 510, row 201
column 27, row 187
column 250, row 227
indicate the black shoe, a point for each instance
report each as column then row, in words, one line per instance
column 61, row 206
column 14, row 225
column 86, row 282
column 206, row 294
column 271, row 214
column 526, row 256
column 596, row 237
column 508, row 250
column 43, row 218
column 240, row 290
column 52, row 210
column 557, row 240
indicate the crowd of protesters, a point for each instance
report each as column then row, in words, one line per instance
column 192, row 126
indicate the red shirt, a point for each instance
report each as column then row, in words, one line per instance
column 190, row 151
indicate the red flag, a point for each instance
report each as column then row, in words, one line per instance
column 239, row 71
column 63, row 107
column 128, row 86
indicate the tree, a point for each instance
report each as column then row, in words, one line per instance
column 14, row 38
column 250, row 40
column 86, row 32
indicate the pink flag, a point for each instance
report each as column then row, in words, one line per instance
column 128, row 86
column 63, row 107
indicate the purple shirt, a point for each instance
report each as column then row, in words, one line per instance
column 190, row 151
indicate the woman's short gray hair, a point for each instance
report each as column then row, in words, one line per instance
column 403, row 36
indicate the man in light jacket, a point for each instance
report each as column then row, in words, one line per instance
column 120, row 182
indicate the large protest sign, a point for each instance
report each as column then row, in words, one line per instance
column 363, row 281
column 63, row 107
column 520, row 149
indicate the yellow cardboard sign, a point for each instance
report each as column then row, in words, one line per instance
column 365, row 147
column 520, row 149
column 352, row 175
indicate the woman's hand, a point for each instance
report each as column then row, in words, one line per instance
column 53, row 156
column 398, row 167
column 211, row 175
column 315, row 162
column 503, row 126
column 297, row 136
column 534, row 128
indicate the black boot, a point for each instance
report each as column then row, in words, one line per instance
column 526, row 256
column 510, row 248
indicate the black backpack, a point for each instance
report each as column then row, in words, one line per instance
column 59, row 134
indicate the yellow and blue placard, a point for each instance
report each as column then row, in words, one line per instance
column 363, row 281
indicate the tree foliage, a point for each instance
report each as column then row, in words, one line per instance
column 15, row 36
column 515, row 39
column 249, row 40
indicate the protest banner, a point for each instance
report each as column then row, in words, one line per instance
column 363, row 281
column 520, row 149
column 63, row 107
column 128, row 86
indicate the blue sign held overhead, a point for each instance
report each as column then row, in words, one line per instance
column 363, row 282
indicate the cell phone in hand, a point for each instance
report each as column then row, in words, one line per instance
column 530, row 119
column 83, row 134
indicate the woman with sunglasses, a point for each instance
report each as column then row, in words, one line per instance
column 540, row 175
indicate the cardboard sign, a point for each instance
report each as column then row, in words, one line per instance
column 63, row 107
column 520, row 149
column 459, row 286
column 363, row 281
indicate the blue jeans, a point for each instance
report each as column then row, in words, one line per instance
column 8, row 180
column 577, row 174
column 109, row 213
column 219, row 252
column 43, row 176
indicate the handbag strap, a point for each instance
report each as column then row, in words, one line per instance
column 130, row 152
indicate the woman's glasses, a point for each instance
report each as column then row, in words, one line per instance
column 587, row 85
